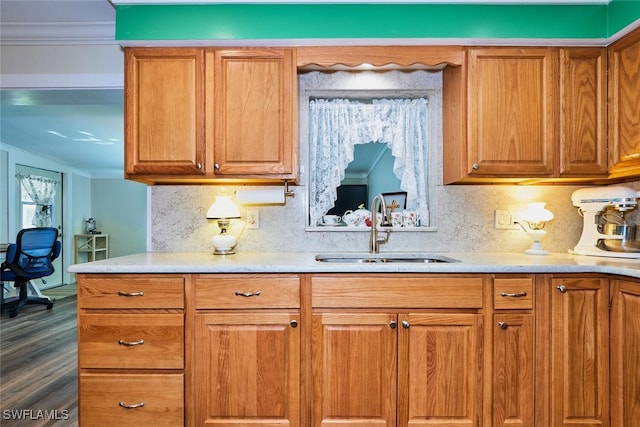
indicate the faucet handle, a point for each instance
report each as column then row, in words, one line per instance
column 385, row 221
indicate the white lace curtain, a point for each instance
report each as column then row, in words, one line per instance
column 42, row 191
column 337, row 125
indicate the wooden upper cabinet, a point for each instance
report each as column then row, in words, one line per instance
column 195, row 113
column 164, row 111
column 252, row 109
column 624, row 107
column 511, row 112
column 583, row 111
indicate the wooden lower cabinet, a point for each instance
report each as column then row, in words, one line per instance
column 512, row 370
column 510, row 364
column 246, row 350
column 439, row 369
column 625, row 353
column 579, row 352
column 354, row 360
column 355, row 350
column 131, row 350
column 402, row 350
column 368, row 367
column 248, row 369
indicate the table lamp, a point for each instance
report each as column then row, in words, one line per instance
column 223, row 210
column 532, row 222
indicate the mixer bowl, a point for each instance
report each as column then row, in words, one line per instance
column 628, row 243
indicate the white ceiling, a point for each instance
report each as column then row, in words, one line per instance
column 83, row 128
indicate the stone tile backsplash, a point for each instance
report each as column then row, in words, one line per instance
column 464, row 217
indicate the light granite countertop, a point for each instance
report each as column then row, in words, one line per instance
column 284, row 262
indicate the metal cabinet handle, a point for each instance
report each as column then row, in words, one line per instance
column 216, row 166
column 294, row 323
column 130, row 294
column 134, row 406
column 503, row 325
column 405, row 324
column 130, row 343
column 515, row 295
column 393, row 324
column 475, row 166
column 247, row 294
column 198, row 166
column 562, row 289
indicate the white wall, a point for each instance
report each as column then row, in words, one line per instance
column 119, row 208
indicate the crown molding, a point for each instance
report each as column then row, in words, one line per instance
column 57, row 33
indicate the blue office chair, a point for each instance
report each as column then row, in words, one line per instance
column 31, row 257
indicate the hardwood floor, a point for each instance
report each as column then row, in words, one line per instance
column 39, row 365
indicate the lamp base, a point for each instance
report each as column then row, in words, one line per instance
column 224, row 251
column 536, row 249
column 224, row 244
column 536, row 252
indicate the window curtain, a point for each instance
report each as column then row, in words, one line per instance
column 337, row 125
column 42, row 191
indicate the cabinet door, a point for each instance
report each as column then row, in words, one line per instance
column 511, row 112
column 512, row 376
column 254, row 108
column 579, row 352
column 439, row 368
column 624, row 110
column 625, row 348
column 354, row 370
column 583, row 97
column 164, row 111
column 248, row 367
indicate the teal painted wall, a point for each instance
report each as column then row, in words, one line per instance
column 362, row 21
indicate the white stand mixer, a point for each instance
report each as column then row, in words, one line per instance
column 592, row 202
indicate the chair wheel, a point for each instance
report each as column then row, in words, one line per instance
column 49, row 306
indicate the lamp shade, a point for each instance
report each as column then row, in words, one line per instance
column 536, row 213
column 223, row 207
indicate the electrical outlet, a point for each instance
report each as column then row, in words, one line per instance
column 253, row 218
column 504, row 220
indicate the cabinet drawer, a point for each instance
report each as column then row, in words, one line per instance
column 247, row 291
column 513, row 293
column 140, row 341
column 122, row 291
column 396, row 291
column 103, row 398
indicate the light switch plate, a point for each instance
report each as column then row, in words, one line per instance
column 253, row 218
column 503, row 220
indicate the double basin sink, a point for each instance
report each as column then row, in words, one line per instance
column 382, row 258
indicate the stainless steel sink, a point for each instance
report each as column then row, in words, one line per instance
column 381, row 258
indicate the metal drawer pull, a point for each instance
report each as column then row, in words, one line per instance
column 562, row 289
column 130, row 294
column 405, row 324
column 393, row 324
column 294, row 323
column 518, row 295
column 130, row 343
column 134, row 406
column 248, row 294
column 503, row 325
